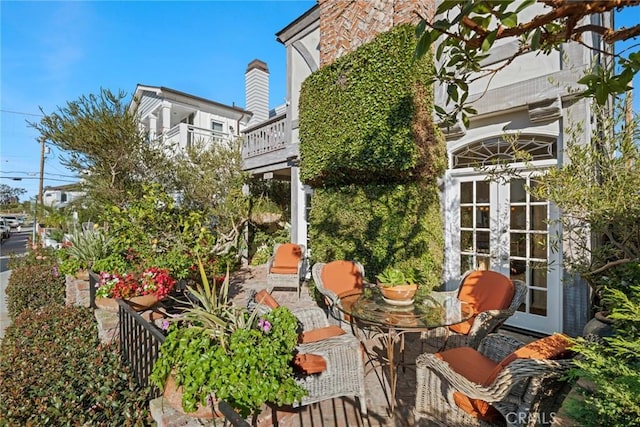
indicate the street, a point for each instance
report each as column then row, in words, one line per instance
column 16, row 245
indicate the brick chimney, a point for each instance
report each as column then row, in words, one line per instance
column 256, row 88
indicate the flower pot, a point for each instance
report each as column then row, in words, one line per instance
column 107, row 304
column 173, row 396
column 142, row 302
column 265, row 217
column 82, row 274
column 398, row 292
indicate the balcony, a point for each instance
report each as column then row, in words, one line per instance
column 184, row 135
column 267, row 144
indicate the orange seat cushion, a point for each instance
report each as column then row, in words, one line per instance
column 481, row 370
column 477, row 368
column 310, row 363
column 320, row 333
column 555, row 346
column 263, row 297
column 287, row 256
column 484, row 290
column 342, row 277
column 284, row 270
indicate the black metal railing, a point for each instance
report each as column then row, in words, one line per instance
column 139, row 345
column 94, row 279
column 139, row 348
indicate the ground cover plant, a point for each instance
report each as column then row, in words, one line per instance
column 53, row 371
column 34, row 282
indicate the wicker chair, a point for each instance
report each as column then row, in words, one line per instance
column 488, row 318
column 334, row 279
column 286, row 268
column 344, row 373
column 525, row 392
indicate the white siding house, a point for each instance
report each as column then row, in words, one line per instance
column 61, row 196
column 180, row 119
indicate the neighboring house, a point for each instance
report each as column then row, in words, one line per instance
column 489, row 224
column 179, row 119
column 61, row 196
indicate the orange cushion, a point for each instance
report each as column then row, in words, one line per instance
column 555, row 346
column 484, row 290
column 310, row 363
column 287, row 256
column 341, row 276
column 263, row 297
column 284, row 270
column 320, row 333
column 477, row 368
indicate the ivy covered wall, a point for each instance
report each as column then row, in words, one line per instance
column 369, row 148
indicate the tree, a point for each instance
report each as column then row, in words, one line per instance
column 209, row 177
column 464, row 31
column 103, row 143
column 9, row 195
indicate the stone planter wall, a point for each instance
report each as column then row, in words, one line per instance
column 77, row 291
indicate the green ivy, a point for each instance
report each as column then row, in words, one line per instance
column 366, row 118
column 371, row 151
column 397, row 225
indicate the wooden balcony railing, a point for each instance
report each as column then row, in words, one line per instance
column 265, row 138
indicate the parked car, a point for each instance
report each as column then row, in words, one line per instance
column 5, row 230
column 11, row 220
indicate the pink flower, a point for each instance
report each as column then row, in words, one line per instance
column 265, row 325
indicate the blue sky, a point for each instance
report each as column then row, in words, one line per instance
column 54, row 52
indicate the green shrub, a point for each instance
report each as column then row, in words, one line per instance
column 610, row 369
column 54, row 372
column 34, row 282
column 379, row 226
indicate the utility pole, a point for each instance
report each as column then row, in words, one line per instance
column 40, row 187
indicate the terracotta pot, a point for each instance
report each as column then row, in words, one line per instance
column 107, row 304
column 82, row 274
column 142, row 302
column 398, row 292
column 173, row 396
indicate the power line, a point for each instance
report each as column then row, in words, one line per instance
column 20, row 113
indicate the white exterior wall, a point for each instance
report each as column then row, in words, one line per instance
column 303, row 58
column 507, row 107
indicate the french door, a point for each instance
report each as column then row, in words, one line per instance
column 501, row 227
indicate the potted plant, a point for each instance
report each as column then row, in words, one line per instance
column 217, row 350
column 141, row 291
column 399, row 284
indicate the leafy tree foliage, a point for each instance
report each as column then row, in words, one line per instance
column 209, row 177
column 464, row 31
column 103, row 142
column 9, row 194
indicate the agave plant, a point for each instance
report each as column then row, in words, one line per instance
column 211, row 310
column 88, row 246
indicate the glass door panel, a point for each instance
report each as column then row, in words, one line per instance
column 504, row 229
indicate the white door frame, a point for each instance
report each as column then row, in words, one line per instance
column 500, row 246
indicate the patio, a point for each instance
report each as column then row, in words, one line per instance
column 339, row 411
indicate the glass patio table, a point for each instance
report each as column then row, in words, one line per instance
column 370, row 311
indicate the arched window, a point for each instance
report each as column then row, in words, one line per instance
column 492, row 150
